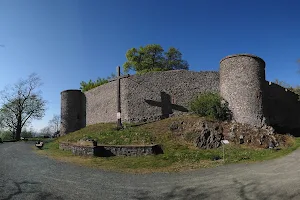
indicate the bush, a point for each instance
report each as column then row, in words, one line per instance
column 6, row 135
column 210, row 105
column 85, row 86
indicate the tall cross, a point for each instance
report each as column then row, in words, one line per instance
column 166, row 105
column 118, row 78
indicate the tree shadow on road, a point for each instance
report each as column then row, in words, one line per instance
column 176, row 192
column 245, row 191
column 253, row 190
column 11, row 189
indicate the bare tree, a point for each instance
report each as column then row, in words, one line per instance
column 54, row 123
column 45, row 131
column 22, row 103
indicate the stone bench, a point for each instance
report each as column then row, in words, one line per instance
column 39, row 144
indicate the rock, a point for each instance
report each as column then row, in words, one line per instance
column 209, row 138
column 259, row 141
column 231, row 136
column 271, row 145
column 264, row 126
column 174, row 126
column 233, row 128
column 270, row 130
column 241, row 139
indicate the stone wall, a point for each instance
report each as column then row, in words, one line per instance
column 282, row 107
column 101, row 103
column 112, row 150
column 148, row 97
column 65, row 146
column 77, row 150
column 127, row 150
column 157, row 95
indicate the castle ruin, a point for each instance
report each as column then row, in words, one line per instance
column 157, row 95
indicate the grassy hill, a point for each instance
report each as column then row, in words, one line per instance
column 180, row 152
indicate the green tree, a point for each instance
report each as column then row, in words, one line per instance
column 153, row 58
column 173, row 60
column 85, row 86
column 21, row 103
column 26, row 133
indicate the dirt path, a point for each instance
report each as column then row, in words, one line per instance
column 26, row 175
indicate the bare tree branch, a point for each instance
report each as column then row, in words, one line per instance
column 54, row 123
column 21, row 103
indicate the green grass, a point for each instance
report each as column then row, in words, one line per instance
column 179, row 153
column 105, row 134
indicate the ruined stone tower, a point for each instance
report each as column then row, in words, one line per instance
column 242, row 78
column 73, row 111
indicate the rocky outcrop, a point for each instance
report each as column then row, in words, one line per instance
column 206, row 134
column 210, row 137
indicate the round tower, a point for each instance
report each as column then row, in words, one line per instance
column 241, row 83
column 73, row 111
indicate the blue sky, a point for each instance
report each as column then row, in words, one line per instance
column 68, row 41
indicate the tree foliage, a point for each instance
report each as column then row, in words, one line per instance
column 85, row 86
column 6, row 135
column 20, row 104
column 27, row 133
column 153, row 58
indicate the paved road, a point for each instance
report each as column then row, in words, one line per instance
column 26, row 175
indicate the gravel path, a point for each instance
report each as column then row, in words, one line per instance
column 26, row 175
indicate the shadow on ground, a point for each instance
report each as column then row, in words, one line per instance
column 20, row 190
column 235, row 190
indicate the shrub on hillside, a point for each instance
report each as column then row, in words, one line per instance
column 85, row 86
column 210, row 105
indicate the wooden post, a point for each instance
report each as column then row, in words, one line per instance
column 119, row 122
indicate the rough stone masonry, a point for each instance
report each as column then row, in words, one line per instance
column 158, row 95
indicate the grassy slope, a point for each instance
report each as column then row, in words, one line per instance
column 178, row 153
